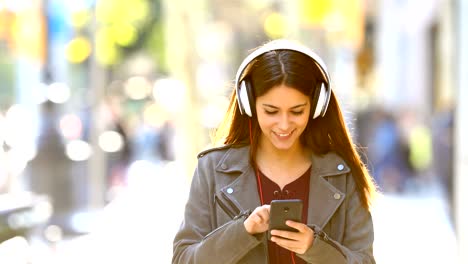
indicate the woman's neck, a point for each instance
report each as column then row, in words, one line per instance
column 282, row 166
column 267, row 151
column 271, row 154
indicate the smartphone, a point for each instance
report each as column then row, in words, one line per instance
column 282, row 210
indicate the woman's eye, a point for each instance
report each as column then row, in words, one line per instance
column 270, row 112
column 297, row 112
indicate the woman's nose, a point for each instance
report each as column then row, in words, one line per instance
column 283, row 123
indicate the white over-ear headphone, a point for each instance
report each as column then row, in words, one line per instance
column 244, row 91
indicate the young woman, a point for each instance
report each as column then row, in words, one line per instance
column 283, row 138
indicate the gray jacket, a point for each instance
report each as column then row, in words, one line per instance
column 224, row 191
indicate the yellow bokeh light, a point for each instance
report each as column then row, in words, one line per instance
column 78, row 50
column 106, row 50
column 114, row 11
column 343, row 18
column 120, row 22
column 124, row 34
column 28, row 33
column 105, row 10
column 80, row 19
column 275, row 25
column 314, row 12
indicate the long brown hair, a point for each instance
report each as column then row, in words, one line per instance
column 322, row 135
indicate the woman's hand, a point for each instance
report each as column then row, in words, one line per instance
column 298, row 242
column 258, row 220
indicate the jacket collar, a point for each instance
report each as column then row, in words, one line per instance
column 324, row 197
column 235, row 159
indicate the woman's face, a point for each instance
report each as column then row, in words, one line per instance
column 283, row 113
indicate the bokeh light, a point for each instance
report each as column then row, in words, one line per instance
column 169, row 93
column 137, row 87
column 111, row 141
column 58, row 92
column 78, row 50
column 106, row 49
column 78, row 150
column 124, row 34
column 154, row 115
column 81, row 18
column 19, row 124
column 275, row 25
column 53, row 233
column 71, row 126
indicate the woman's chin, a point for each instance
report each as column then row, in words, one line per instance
column 283, row 145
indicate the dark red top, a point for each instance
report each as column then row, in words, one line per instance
column 298, row 189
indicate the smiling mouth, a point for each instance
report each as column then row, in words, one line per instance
column 284, row 135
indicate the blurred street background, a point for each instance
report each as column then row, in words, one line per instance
column 104, row 105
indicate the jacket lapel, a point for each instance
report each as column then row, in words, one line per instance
column 324, row 197
column 243, row 190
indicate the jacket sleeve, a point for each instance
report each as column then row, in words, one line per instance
column 357, row 245
column 198, row 240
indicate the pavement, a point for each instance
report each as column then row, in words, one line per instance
column 414, row 228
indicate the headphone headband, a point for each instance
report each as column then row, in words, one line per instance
column 282, row 44
column 243, row 93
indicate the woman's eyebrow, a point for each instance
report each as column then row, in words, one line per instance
column 294, row 107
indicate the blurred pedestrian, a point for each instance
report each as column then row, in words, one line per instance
column 388, row 152
column 280, row 142
column 166, row 142
column 119, row 160
column 50, row 170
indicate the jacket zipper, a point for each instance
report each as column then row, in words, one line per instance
column 325, row 238
column 225, row 208
column 231, row 203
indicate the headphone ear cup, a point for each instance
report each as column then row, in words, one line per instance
column 319, row 100
column 246, row 98
column 251, row 96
